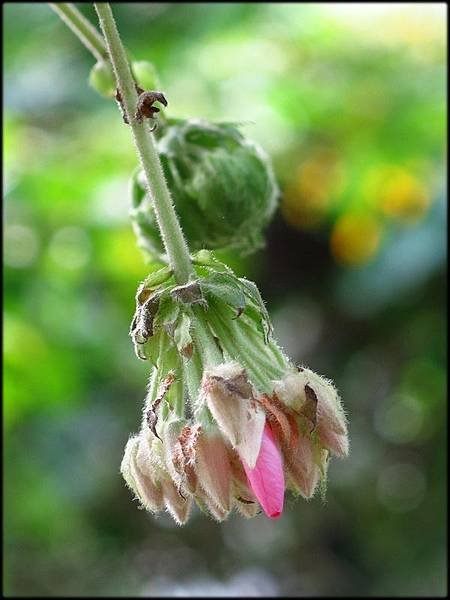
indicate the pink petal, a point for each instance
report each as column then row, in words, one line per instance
column 267, row 478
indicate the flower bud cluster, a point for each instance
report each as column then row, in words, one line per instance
column 228, row 423
column 222, row 185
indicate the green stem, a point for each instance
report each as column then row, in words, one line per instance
column 82, row 28
column 171, row 233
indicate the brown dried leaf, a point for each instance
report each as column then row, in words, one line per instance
column 309, row 409
column 152, row 416
column 277, row 414
column 183, row 455
column 189, row 293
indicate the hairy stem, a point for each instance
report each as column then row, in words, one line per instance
column 82, row 28
column 169, row 226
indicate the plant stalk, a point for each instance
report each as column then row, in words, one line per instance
column 169, row 226
column 82, row 28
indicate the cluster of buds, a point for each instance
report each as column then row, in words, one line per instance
column 229, row 422
column 222, row 185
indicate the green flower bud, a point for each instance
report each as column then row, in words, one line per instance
column 102, row 79
column 222, row 185
column 145, row 74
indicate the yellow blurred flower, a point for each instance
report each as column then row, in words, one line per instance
column 398, row 193
column 355, row 238
column 317, row 180
column 405, row 197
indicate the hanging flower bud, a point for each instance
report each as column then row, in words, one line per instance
column 302, row 469
column 267, row 477
column 213, row 468
column 231, row 399
column 205, row 504
column 143, row 470
column 317, row 400
column 177, row 460
column 147, row 491
column 101, row 78
column 179, row 506
column 222, row 185
column 229, row 422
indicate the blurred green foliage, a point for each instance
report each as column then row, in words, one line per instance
column 350, row 104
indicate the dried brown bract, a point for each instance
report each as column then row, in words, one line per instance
column 145, row 106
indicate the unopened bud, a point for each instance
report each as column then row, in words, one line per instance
column 102, row 79
column 177, row 504
column 317, row 400
column 247, row 509
column 145, row 74
column 213, row 469
column 222, row 186
column 141, row 481
column 204, row 501
column 173, row 458
column 244, row 499
column 304, row 473
column 231, row 400
column 267, row 478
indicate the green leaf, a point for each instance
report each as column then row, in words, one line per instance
column 252, row 292
column 226, row 288
column 158, row 277
column 151, row 349
column 189, row 293
column 206, row 258
column 167, row 314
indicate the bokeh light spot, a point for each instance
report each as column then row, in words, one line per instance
column 355, row 239
column 308, row 198
column 70, row 248
column 399, row 419
column 401, row 487
column 404, row 197
column 21, row 246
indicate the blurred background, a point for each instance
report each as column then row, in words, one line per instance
column 349, row 100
